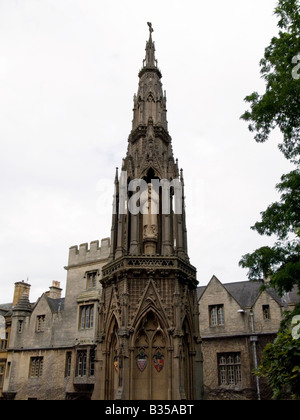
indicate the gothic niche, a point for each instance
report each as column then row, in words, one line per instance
column 114, row 361
column 150, row 211
column 150, row 203
column 150, row 360
column 185, row 362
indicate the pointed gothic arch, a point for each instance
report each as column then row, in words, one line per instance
column 150, row 302
column 112, row 349
column 150, row 359
column 186, row 364
column 151, row 170
column 150, row 98
column 150, row 174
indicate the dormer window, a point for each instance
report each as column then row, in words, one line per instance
column 266, row 312
column 216, row 315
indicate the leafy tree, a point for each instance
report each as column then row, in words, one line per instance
column 279, row 106
column 284, row 217
column 281, row 263
column 281, row 365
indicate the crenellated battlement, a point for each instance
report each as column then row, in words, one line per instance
column 85, row 254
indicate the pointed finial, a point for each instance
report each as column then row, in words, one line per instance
column 150, row 27
column 181, row 175
column 150, row 50
column 116, row 176
column 150, row 60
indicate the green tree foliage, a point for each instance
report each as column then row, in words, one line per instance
column 281, row 365
column 279, row 106
column 283, row 217
column 281, row 263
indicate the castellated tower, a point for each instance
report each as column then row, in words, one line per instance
column 149, row 344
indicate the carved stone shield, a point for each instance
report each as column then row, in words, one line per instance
column 116, row 364
column 158, row 361
column 142, row 361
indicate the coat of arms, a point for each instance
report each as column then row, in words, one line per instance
column 158, row 361
column 142, row 361
column 116, row 364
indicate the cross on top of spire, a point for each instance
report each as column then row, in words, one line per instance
column 150, row 28
column 150, row 61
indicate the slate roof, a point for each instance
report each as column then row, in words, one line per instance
column 56, row 305
column 200, row 291
column 247, row 292
column 5, row 308
column 244, row 292
column 292, row 297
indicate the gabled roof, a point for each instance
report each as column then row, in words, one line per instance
column 244, row 292
column 4, row 308
column 291, row 297
column 247, row 292
column 56, row 305
column 200, row 291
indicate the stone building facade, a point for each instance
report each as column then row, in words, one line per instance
column 20, row 289
column 51, row 352
column 4, row 340
column 237, row 320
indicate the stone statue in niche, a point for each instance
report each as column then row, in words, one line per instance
column 150, row 206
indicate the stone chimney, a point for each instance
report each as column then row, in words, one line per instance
column 55, row 290
column 21, row 288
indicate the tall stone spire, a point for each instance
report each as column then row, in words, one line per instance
column 150, row 157
column 149, row 340
column 150, row 101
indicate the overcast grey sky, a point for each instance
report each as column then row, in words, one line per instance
column 68, row 72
